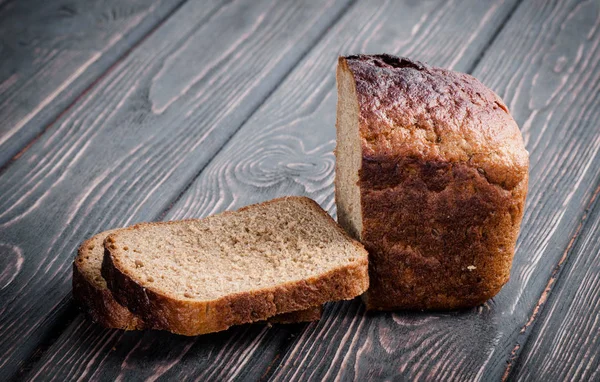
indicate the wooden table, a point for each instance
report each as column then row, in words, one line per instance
column 114, row 112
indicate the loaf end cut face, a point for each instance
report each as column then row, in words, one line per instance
column 431, row 175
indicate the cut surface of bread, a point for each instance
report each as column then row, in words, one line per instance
column 431, row 176
column 348, row 159
column 90, row 290
column 199, row 276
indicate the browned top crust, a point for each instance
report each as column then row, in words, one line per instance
column 410, row 109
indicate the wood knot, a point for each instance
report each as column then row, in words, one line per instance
column 11, row 262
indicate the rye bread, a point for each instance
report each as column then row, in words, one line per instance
column 431, row 176
column 199, row 276
column 90, row 290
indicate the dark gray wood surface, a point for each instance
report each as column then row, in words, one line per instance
column 564, row 344
column 285, row 148
column 129, row 148
column 51, row 51
column 542, row 63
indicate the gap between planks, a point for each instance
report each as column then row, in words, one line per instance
column 495, row 35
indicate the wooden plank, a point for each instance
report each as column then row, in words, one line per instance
column 127, row 148
column 52, row 50
column 565, row 342
column 285, row 148
column 545, row 64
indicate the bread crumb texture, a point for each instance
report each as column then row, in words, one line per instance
column 233, row 252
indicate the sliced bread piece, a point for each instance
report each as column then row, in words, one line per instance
column 89, row 289
column 200, row 276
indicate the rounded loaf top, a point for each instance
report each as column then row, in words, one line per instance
column 410, row 109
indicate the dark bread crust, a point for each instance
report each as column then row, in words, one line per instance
column 449, row 246
column 443, row 184
column 199, row 317
column 99, row 302
column 305, row 315
column 101, row 306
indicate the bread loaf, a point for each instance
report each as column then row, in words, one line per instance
column 199, row 276
column 431, row 176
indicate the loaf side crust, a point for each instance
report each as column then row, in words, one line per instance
column 450, row 245
column 199, row 317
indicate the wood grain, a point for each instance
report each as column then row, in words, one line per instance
column 124, row 151
column 463, row 345
column 285, row 148
column 565, row 343
column 135, row 356
column 545, row 64
column 52, row 50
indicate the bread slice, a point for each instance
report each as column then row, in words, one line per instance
column 199, row 276
column 89, row 289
